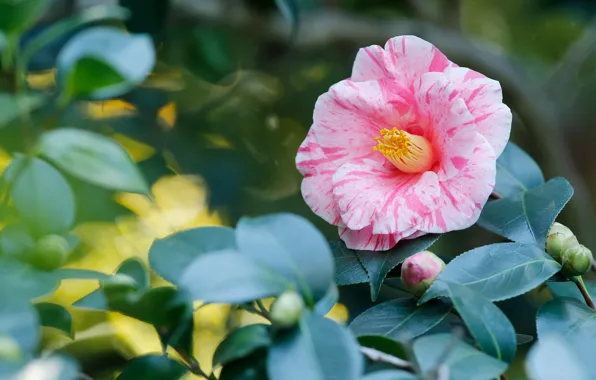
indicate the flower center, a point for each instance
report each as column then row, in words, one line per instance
column 409, row 153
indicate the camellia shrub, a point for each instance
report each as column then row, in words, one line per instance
column 412, row 146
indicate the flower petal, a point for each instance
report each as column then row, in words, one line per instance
column 369, row 64
column 484, row 99
column 370, row 193
column 364, row 239
column 463, row 196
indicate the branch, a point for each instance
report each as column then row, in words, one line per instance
column 582, row 288
column 381, row 357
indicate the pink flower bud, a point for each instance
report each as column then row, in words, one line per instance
column 419, row 271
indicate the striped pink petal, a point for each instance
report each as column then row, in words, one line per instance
column 364, row 239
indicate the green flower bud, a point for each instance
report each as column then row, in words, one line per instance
column 287, row 309
column 51, row 251
column 559, row 238
column 9, row 349
column 419, row 271
column 576, row 261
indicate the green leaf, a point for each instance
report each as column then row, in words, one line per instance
column 153, row 367
column 95, row 300
column 523, row 339
column 566, row 317
column 289, row 9
column 135, row 268
column 326, row 303
column 172, row 255
column 93, row 158
column 230, row 277
column 391, row 374
column 241, row 343
column 55, row 316
column 569, row 289
column 13, row 106
column 348, row 269
column 378, row 264
column 486, row 322
column 16, row 242
column 19, row 321
column 252, row 367
column 464, row 361
column 399, row 319
column 79, row 274
column 22, row 280
column 41, row 195
column 292, row 247
column 384, row 344
column 555, row 358
column 497, row 271
column 527, row 216
column 319, row 349
column 517, row 172
column 18, row 15
column 55, row 366
column 102, row 62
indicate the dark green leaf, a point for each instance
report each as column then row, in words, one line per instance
column 41, row 195
column 241, row 343
column 103, row 62
column 230, row 277
column 18, row 15
column 12, row 106
column 19, row 321
column 319, row 349
column 292, row 247
column 55, row 316
column 391, row 374
column 569, row 289
column 497, row 271
column 464, row 361
column 22, row 280
column 348, row 269
column 172, row 255
column 326, row 303
column 566, row 317
column 135, row 268
column 252, row 367
column 555, row 357
column 486, row 322
column 153, row 367
column 378, row 264
column 517, row 172
column 93, row 158
column 399, row 319
column 527, row 216
column 383, row 344
column 79, row 274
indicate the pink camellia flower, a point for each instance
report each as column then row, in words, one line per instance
column 406, row 146
column 419, row 271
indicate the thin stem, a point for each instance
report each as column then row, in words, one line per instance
column 582, row 288
column 263, row 309
column 193, row 364
column 381, row 357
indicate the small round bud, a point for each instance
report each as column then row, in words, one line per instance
column 9, row 349
column 287, row 309
column 558, row 239
column 576, row 261
column 419, row 271
column 51, row 252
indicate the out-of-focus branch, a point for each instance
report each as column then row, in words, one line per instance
column 381, row 357
column 328, row 27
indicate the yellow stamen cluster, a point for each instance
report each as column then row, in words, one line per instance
column 409, row 153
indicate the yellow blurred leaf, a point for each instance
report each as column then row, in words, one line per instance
column 137, row 150
column 108, row 109
column 42, row 80
column 167, row 114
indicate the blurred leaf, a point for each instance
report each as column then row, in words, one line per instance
column 554, row 357
column 24, row 281
column 19, row 321
column 241, row 343
column 348, row 269
column 527, row 216
column 325, row 304
column 378, row 264
column 486, row 322
column 566, row 317
column 79, row 274
column 152, row 367
column 41, row 195
column 289, row 9
column 103, row 62
column 569, row 289
column 384, row 344
column 391, row 374
column 16, row 241
column 230, row 277
column 49, row 367
column 135, row 268
column 95, row 300
column 292, row 247
column 460, row 359
column 13, row 106
column 93, row 158
column 251, row 367
column 523, row 339
column 319, row 349
column 497, row 271
column 18, row 15
column 399, row 319
column 172, row 255
column 517, row 172
column 55, row 316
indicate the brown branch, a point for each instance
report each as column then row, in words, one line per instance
column 582, row 288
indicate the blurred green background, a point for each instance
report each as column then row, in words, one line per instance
column 217, row 126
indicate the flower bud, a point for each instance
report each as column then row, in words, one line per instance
column 9, row 349
column 287, row 309
column 419, row 271
column 558, row 239
column 51, row 252
column 576, row 261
